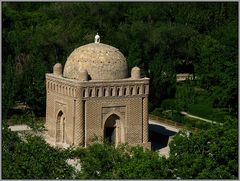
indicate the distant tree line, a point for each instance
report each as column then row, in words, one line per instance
column 157, row 37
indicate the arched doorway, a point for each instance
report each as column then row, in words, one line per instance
column 60, row 128
column 112, row 129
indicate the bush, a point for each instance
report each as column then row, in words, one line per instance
column 33, row 159
column 104, row 161
column 168, row 104
column 27, row 117
column 209, row 154
column 157, row 112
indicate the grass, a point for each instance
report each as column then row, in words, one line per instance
column 207, row 112
column 203, row 108
column 28, row 118
column 199, row 103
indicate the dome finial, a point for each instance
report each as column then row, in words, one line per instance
column 97, row 38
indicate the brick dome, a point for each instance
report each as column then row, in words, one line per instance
column 101, row 61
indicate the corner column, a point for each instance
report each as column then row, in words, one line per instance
column 145, row 120
column 79, row 124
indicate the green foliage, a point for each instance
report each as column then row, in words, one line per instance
column 217, row 70
column 26, row 117
column 143, row 164
column 8, row 87
column 99, row 161
column 34, row 87
column 207, row 152
column 194, row 156
column 195, row 101
column 153, row 36
column 185, row 95
column 33, row 159
column 104, row 161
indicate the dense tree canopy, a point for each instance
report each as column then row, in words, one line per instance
column 31, row 159
column 209, row 154
column 163, row 39
column 154, row 36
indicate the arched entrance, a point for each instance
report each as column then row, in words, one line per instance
column 60, row 128
column 113, row 129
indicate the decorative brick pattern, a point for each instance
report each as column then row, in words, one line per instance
column 145, row 119
column 134, row 122
column 128, row 104
column 93, row 121
column 50, row 119
column 88, row 104
column 78, row 121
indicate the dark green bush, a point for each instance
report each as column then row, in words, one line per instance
column 33, row 159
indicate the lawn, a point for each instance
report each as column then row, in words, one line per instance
column 193, row 100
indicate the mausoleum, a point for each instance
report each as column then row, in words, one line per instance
column 93, row 96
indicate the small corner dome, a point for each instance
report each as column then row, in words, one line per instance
column 57, row 69
column 135, row 68
column 135, row 73
column 101, row 61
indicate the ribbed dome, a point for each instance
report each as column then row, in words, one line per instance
column 101, row 61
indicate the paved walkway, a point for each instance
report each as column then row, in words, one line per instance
column 22, row 127
column 164, row 151
column 168, row 127
column 196, row 117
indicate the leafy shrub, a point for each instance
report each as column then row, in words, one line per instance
column 168, row 104
column 33, row 159
column 102, row 161
column 209, row 154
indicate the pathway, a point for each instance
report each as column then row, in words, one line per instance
column 166, row 130
column 21, row 127
column 196, row 117
column 166, row 126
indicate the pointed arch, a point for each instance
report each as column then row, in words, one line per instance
column 113, row 128
column 60, row 127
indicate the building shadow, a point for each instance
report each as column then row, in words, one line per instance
column 159, row 136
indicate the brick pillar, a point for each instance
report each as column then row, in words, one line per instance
column 121, row 91
column 47, row 109
column 100, row 92
column 145, row 120
column 79, row 123
column 50, row 115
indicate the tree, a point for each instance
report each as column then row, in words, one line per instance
column 33, row 159
column 217, row 72
column 34, row 87
column 210, row 154
column 153, row 36
column 144, row 164
column 104, row 161
column 8, row 85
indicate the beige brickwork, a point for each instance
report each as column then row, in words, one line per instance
column 79, row 110
column 78, row 122
column 134, row 125
column 145, row 120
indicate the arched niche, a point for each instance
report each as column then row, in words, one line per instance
column 60, row 128
column 113, row 129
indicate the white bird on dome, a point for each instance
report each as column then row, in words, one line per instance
column 97, row 38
